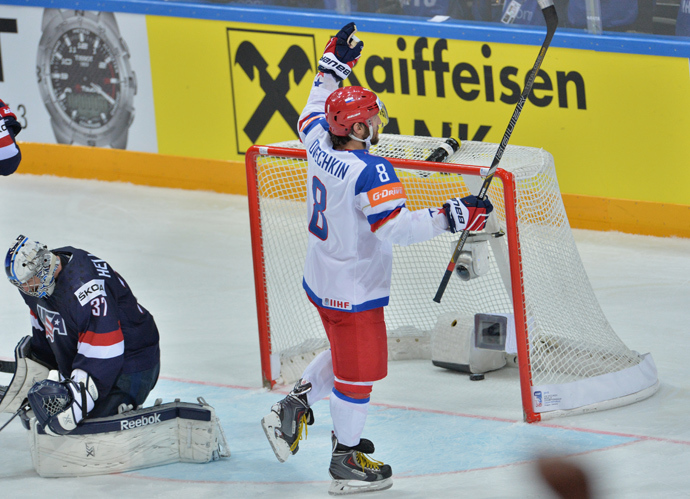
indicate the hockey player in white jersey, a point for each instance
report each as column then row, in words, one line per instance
column 355, row 213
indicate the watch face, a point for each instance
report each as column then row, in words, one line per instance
column 85, row 77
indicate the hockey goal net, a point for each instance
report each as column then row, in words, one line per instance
column 570, row 360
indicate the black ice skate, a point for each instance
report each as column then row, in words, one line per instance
column 353, row 472
column 283, row 426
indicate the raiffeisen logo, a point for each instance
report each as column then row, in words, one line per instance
column 459, row 88
column 468, row 81
column 271, row 73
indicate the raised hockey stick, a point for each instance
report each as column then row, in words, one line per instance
column 551, row 19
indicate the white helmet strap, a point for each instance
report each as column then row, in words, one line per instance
column 367, row 140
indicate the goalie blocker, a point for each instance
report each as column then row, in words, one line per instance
column 153, row 436
column 27, row 372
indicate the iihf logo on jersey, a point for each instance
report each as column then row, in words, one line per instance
column 53, row 323
column 537, row 399
column 271, row 76
column 340, row 304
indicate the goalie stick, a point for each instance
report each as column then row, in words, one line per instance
column 25, row 407
column 551, row 18
column 7, row 366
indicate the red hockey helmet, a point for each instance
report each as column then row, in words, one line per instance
column 349, row 105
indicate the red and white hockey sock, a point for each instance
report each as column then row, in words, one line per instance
column 319, row 373
column 349, row 416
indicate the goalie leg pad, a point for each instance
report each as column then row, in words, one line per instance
column 153, row 436
column 27, row 372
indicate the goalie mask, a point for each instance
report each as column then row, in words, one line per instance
column 349, row 105
column 31, row 267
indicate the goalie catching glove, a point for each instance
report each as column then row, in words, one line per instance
column 468, row 213
column 60, row 406
column 339, row 56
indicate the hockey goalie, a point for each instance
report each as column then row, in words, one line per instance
column 81, row 379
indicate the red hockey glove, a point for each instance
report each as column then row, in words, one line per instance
column 468, row 213
column 339, row 57
column 10, row 118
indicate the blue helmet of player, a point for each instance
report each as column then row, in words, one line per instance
column 31, row 267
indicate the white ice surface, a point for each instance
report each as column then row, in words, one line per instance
column 187, row 257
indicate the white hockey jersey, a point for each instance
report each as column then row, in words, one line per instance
column 355, row 213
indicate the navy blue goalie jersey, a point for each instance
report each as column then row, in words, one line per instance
column 92, row 322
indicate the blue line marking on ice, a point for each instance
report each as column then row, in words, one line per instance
column 413, row 442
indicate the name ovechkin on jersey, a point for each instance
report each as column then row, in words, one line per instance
column 326, row 162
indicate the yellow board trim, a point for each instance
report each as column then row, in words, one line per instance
column 633, row 217
column 228, row 177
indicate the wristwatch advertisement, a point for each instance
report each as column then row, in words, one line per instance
column 85, row 78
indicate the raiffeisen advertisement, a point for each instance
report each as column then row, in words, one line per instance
column 613, row 117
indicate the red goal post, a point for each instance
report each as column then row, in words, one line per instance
column 537, row 280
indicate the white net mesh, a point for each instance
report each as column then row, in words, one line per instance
column 569, row 336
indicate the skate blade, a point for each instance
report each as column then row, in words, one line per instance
column 347, row 487
column 280, row 447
